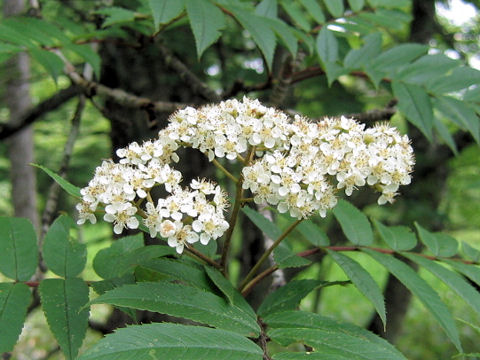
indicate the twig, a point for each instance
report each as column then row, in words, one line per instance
column 233, row 217
column 40, row 109
column 313, row 251
column 246, row 290
column 225, row 171
column 197, row 85
column 266, row 254
column 200, row 255
column 119, row 96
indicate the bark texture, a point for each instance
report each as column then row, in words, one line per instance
column 20, row 145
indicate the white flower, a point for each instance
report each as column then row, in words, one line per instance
column 122, row 216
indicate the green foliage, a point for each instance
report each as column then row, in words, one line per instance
column 206, row 21
column 363, row 281
column 64, row 304
column 288, row 297
column 164, row 11
column 67, row 186
column 124, row 254
column 14, row 301
column 62, row 254
column 408, row 277
column 354, row 223
column 173, row 341
column 438, row 243
column 182, row 301
column 398, row 238
column 322, row 333
column 19, row 255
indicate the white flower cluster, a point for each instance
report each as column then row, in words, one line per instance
column 301, row 164
column 327, row 156
column 184, row 216
column 299, row 167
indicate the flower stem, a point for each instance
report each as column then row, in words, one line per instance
column 233, row 218
column 225, row 171
column 248, row 287
column 266, row 254
column 198, row 254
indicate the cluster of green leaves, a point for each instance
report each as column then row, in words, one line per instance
column 442, row 259
column 154, row 278
column 434, row 92
column 64, row 298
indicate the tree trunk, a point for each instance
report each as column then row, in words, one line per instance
column 20, row 145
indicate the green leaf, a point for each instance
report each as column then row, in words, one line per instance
column 357, row 58
column 105, row 262
column 422, row 290
column 460, row 113
column 64, row 184
column 63, row 255
column 173, row 342
column 101, row 287
column 32, row 31
column 14, row 302
column 389, row 3
column 470, row 252
column 327, row 45
column 460, row 78
column 206, row 21
column 327, row 334
column 285, row 258
column 306, row 40
column 314, row 10
column 9, row 34
column 393, row 59
column 45, row 28
column 415, row 104
column 50, row 61
column 296, row 14
column 354, row 223
column 426, row 68
column 234, row 297
column 182, row 270
column 335, row 7
column 398, row 238
column 472, row 94
column 313, row 233
column 288, row 297
column 285, row 33
column 19, row 254
column 261, row 33
column 87, row 54
column 469, row 270
column 270, row 229
column 363, row 281
column 182, row 301
column 356, row 5
column 326, row 353
column 445, row 134
column 456, row 282
column 267, row 8
column 388, row 19
column 439, row 244
column 221, row 283
column 334, row 71
column 116, row 15
column 122, row 259
column 63, row 302
column 164, row 11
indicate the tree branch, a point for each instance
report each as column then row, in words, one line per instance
column 50, row 104
column 197, row 85
column 119, row 96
